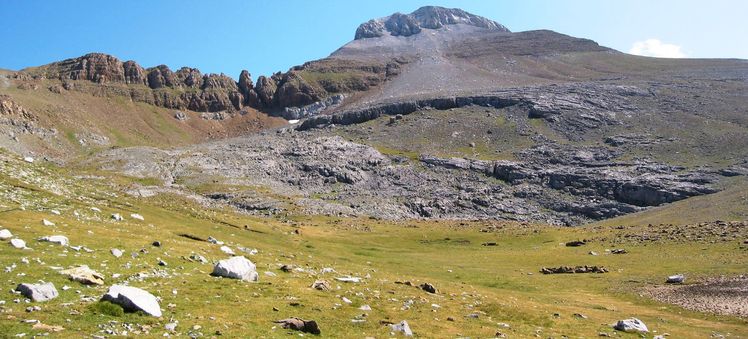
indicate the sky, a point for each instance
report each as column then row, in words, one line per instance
column 266, row 36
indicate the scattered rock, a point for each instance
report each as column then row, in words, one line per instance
column 38, row 292
column 592, row 253
column 133, row 299
column 237, row 267
column 227, row 250
column 18, row 243
column 84, row 275
column 56, row 239
column 321, row 285
column 46, row 222
column 117, row 217
column 577, row 269
column 402, row 327
column 575, row 243
column 214, row 241
column 47, row 328
column 28, row 159
column 156, row 244
column 619, row 251
column 137, row 216
column 631, row 325
column 117, row 252
column 198, row 258
column 307, row 326
column 489, row 244
column 676, row 279
column 428, row 288
column 349, row 279
column 5, row 234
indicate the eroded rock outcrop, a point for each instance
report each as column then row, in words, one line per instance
column 428, row 17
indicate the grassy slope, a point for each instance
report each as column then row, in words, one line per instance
column 124, row 122
column 470, row 277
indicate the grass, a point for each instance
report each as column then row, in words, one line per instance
column 500, row 284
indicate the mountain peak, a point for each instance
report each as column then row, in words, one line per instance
column 427, row 17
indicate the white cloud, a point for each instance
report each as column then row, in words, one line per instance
column 656, row 48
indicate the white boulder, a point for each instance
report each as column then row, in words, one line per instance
column 46, row 222
column 5, row 234
column 117, row 252
column 137, row 216
column 236, row 268
column 631, row 325
column 133, row 299
column 18, row 243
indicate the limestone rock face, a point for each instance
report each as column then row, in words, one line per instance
column 134, row 74
column 133, row 299
column 97, row 67
column 236, row 268
column 38, row 292
column 265, row 89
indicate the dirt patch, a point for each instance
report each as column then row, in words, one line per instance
column 726, row 296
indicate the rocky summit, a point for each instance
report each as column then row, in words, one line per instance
column 437, row 176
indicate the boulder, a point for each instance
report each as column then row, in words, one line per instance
column 237, row 267
column 676, row 279
column 56, row 239
column 46, row 222
column 5, row 234
column 307, row 326
column 402, row 327
column 117, row 252
column 227, row 250
column 18, row 243
column 38, row 292
column 631, row 325
column 428, row 288
column 84, row 275
column 133, row 299
column 321, row 285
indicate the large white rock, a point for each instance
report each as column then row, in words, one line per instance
column 57, row 239
column 236, row 268
column 5, row 234
column 38, row 292
column 631, row 325
column 18, row 243
column 133, row 299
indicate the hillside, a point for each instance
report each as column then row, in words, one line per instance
column 419, row 173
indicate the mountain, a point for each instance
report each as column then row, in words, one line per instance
column 421, row 191
column 434, row 114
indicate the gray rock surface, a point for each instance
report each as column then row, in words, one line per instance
column 5, row 234
column 56, row 239
column 84, row 275
column 38, row 292
column 133, row 299
column 428, row 17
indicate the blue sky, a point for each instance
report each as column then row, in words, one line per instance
column 264, row 36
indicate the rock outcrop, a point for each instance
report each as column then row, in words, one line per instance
column 429, row 17
column 236, row 268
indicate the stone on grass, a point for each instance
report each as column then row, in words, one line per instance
column 18, row 243
column 28, row 159
column 321, row 285
column 133, row 299
column 46, row 222
column 137, row 216
column 227, row 250
column 428, row 288
column 676, row 279
column 84, row 275
column 237, row 267
column 631, row 325
column 307, row 326
column 5, row 234
column 38, row 292
column 117, row 252
column 117, row 217
column 349, row 279
column 56, row 239
column 402, row 327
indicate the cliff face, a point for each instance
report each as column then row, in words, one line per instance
column 429, row 17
